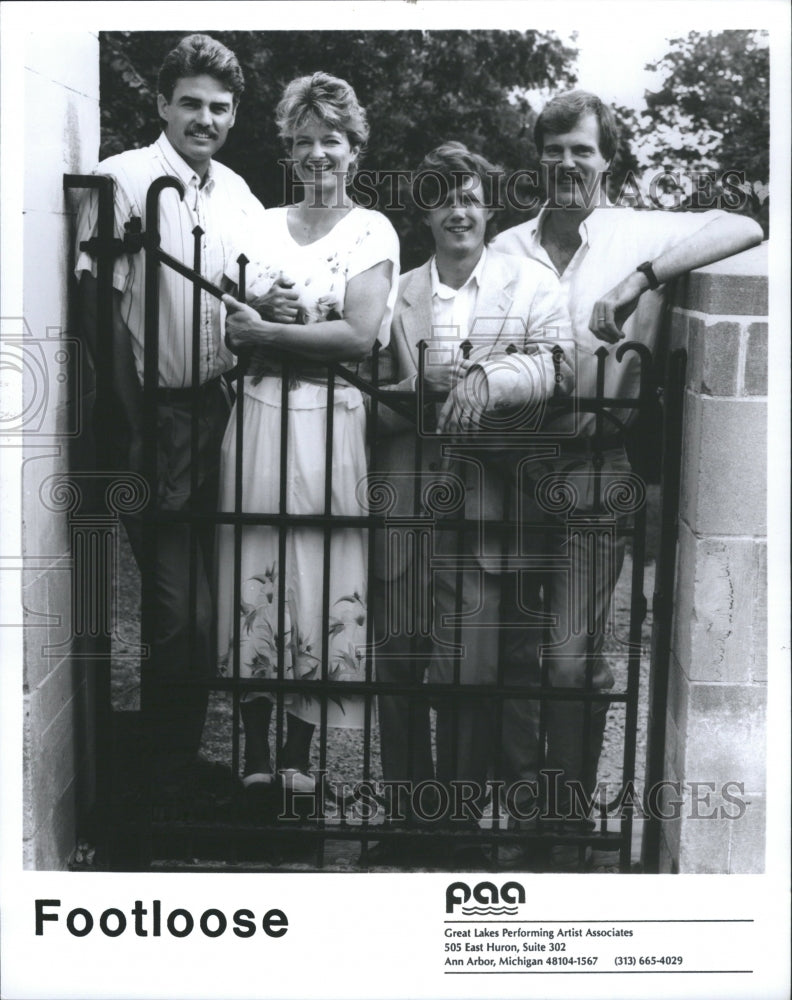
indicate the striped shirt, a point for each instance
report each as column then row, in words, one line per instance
column 226, row 211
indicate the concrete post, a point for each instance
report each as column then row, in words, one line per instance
column 715, row 729
column 61, row 136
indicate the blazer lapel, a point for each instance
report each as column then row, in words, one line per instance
column 494, row 301
column 416, row 313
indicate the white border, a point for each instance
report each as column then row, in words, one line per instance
column 370, row 935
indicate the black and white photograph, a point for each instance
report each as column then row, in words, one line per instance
column 395, row 493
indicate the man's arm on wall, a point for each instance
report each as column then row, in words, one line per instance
column 724, row 236
column 126, row 385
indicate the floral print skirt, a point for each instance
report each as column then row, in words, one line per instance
column 305, row 638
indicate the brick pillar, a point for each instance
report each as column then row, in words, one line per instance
column 715, row 730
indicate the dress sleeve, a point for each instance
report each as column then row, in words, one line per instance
column 376, row 241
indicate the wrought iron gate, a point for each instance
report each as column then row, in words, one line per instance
column 134, row 831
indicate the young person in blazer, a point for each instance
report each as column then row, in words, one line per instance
column 511, row 313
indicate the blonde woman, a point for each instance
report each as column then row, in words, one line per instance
column 324, row 273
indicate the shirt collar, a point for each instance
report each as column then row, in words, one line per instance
column 589, row 227
column 181, row 168
column 446, row 292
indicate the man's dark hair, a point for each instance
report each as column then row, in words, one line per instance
column 447, row 168
column 200, row 55
column 562, row 114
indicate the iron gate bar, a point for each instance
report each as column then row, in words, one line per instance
column 103, row 361
column 241, row 369
column 663, row 598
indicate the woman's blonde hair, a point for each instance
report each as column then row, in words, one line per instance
column 327, row 99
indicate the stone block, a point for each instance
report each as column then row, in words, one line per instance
column 704, row 834
column 671, row 821
column 30, row 746
column 61, row 137
column 60, row 634
column 755, row 381
column 676, row 719
column 724, row 466
column 747, row 844
column 75, row 66
column 759, row 605
column 684, row 597
column 56, row 837
column 714, row 356
column 48, row 618
column 46, row 532
column 64, row 682
column 736, row 286
column 726, row 734
column 678, row 333
column 715, row 634
column 49, row 252
column 37, row 619
column 54, row 765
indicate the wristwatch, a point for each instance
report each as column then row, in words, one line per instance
column 651, row 277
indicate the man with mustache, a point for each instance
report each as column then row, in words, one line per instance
column 199, row 87
column 612, row 262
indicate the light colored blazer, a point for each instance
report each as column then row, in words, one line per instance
column 519, row 304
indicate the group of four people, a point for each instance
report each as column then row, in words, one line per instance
column 322, row 285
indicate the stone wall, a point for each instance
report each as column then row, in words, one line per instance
column 715, row 729
column 61, row 99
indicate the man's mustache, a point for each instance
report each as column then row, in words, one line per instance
column 210, row 133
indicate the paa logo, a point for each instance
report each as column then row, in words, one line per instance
column 489, row 900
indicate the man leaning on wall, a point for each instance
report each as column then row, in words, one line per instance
column 613, row 264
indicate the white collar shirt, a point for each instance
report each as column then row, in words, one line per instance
column 452, row 308
column 225, row 210
column 614, row 241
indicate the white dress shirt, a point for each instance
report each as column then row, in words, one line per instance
column 453, row 307
column 614, row 241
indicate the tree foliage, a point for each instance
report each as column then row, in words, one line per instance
column 423, row 87
column 712, row 112
column 419, row 88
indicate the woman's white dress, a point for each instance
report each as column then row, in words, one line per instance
column 320, row 271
